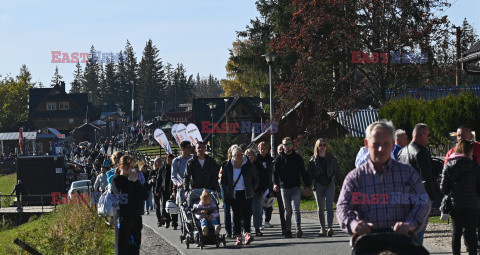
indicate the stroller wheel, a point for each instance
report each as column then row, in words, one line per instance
column 224, row 241
column 181, row 238
column 217, row 241
column 187, row 243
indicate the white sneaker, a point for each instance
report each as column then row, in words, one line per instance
column 267, row 225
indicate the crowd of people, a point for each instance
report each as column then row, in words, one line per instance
column 392, row 187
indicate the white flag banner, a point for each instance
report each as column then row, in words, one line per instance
column 174, row 133
column 193, row 133
column 161, row 138
column 181, row 133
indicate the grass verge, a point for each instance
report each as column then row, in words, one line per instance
column 7, row 182
column 71, row 229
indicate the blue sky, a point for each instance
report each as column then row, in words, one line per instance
column 196, row 33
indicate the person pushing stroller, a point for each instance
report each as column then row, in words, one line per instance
column 207, row 213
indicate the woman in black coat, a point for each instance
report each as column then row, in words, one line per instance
column 167, row 192
column 240, row 179
column 461, row 179
column 131, row 196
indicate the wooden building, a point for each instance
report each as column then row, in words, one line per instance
column 54, row 108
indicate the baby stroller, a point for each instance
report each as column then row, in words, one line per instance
column 385, row 240
column 191, row 229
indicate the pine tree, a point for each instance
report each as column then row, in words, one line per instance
column 131, row 67
column 91, row 74
column 77, row 82
column 122, row 92
column 151, row 79
column 25, row 75
column 110, row 83
column 183, row 85
column 57, row 78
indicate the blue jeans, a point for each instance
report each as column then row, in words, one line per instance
column 148, row 202
column 208, row 223
column 420, row 236
column 323, row 193
column 227, row 214
column 257, row 210
column 292, row 197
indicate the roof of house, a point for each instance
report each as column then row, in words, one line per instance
column 433, row 93
column 39, row 95
column 14, row 136
column 180, row 117
column 356, row 121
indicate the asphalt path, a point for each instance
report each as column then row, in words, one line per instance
column 271, row 243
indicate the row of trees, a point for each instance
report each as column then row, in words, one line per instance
column 151, row 80
column 314, row 41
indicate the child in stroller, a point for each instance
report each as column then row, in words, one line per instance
column 207, row 213
column 200, row 219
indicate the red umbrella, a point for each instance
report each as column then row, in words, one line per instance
column 20, row 140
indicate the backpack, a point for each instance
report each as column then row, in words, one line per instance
column 108, row 204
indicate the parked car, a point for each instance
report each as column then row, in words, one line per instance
column 80, row 187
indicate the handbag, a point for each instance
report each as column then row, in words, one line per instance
column 108, row 204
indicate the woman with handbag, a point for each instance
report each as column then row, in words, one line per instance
column 240, row 179
column 322, row 168
column 461, row 181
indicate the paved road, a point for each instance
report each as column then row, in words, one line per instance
column 271, row 243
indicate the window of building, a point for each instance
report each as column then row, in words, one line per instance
column 51, row 106
column 63, row 105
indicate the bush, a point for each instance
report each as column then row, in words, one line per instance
column 74, row 229
column 442, row 115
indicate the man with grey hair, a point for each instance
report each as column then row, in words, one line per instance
column 401, row 141
column 382, row 193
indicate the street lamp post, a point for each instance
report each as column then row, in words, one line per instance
column 133, row 100
column 270, row 57
column 212, row 106
column 226, row 117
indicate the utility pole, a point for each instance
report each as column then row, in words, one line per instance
column 458, row 70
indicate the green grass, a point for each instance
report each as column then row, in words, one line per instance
column 7, row 183
column 72, row 229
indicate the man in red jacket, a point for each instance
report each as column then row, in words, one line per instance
column 465, row 133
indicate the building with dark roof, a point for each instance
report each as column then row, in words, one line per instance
column 54, row 108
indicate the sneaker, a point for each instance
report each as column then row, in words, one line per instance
column 205, row 230
column 330, row 232
column 322, row 233
column 248, row 238
column 268, row 225
column 175, row 226
column 258, row 232
column 217, row 229
column 288, row 234
column 299, row 233
column 167, row 224
column 148, row 212
column 239, row 240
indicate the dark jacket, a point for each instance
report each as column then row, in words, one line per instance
column 165, row 179
column 419, row 158
column 131, row 196
column 461, row 177
column 264, row 173
column 319, row 175
column 250, row 179
column 288, row 169
column 198, row 177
